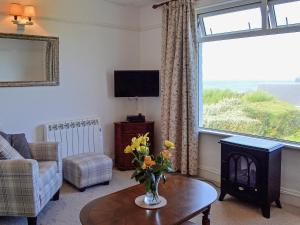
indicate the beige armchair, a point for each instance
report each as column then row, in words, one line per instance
column 27, row 185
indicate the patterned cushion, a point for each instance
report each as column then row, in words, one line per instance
column 6, row 136
column 87, row 169
column 47, row 151
column 7, row 151
column 19, row 142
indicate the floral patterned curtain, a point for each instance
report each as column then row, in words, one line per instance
column 179, row 83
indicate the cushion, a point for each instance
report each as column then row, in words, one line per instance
column 7, row 151
column 6, row 136
column 19, row 142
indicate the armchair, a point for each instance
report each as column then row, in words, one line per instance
column 27, row 185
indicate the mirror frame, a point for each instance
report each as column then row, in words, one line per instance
column 52, row 61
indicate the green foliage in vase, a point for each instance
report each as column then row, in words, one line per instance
column 149, row 168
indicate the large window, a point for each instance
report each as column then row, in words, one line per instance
column 251, row 82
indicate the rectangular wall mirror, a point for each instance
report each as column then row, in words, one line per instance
column 28, row 60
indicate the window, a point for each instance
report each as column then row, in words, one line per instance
column 287, row 13
column 251, row 83
column 231, row 22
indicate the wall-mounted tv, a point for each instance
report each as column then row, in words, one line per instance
column 136, row 83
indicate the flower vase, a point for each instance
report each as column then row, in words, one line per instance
column 152, row 197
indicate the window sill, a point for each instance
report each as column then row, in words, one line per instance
column 202, row 130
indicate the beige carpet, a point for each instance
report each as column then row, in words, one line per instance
column 230, row 212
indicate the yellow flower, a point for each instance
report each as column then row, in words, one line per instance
column 128, row 149
column 133, row 139
column 144, row 149
column 166, row 154
column 136, row 143
column 169, row 144
column 139, row 144
column 145, row 139
column 148, row 162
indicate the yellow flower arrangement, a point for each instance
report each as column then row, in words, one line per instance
column 148, row 167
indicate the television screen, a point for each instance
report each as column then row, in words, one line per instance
column 137, row 83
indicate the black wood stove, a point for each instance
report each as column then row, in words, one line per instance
column 250, row 170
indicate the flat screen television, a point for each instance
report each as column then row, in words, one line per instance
column 136, row 83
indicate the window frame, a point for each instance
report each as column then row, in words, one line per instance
column 289, row 144
column 269, row 27
column 271, row 4
column 226, row 11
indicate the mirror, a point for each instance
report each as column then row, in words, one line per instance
column 28, row 60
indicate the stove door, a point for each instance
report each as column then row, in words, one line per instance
column 243, row 171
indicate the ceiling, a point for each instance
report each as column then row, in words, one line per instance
column 135, row 3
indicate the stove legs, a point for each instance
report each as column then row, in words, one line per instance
column 278, row 203
column 266, row 210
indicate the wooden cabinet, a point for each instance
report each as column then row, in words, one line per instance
column 124, row 132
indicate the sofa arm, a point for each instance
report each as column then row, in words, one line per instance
column 47, row 151
column 19, row 192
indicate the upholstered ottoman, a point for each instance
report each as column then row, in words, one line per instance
column 87, row 169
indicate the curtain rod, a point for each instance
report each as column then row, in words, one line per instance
column 155, row 6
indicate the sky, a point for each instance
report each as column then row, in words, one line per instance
column 267, row 58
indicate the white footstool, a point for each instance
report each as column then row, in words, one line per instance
column 87, row 169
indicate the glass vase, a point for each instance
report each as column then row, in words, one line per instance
column 152, row 196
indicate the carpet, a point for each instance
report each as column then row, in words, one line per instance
column 229, row 212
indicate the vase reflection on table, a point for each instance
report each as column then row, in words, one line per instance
column 149, row 169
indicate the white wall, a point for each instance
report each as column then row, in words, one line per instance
column 96, row 38
column 209, row 149
column 150, row 52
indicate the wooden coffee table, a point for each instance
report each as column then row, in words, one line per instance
column 186, row 198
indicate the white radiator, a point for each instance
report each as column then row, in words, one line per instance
column 76, row 136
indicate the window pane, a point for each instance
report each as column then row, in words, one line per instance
column 234, row 21
column 252, row 86
column 287, row 13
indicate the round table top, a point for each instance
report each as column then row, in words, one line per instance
column 186, row 198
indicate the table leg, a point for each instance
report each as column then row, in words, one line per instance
column 205, row 218
column 222, row 195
